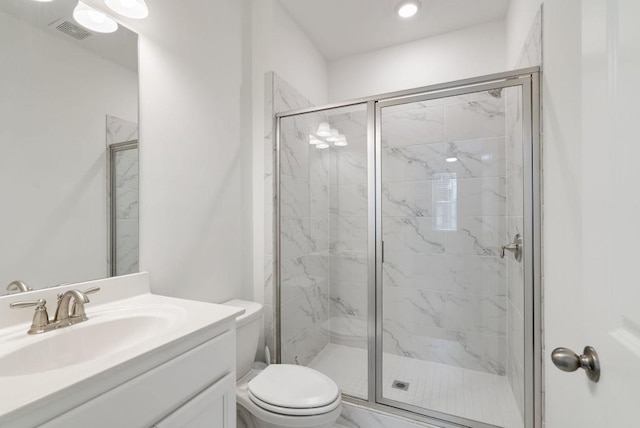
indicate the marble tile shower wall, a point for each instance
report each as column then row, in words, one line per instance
column 126, row 195
column 304, row 228
column 444, row 289
column 348, row 233
column 126, row 168
column 530, row 56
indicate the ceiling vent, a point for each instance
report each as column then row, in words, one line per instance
column 67, row 27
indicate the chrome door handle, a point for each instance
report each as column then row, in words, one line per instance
column 515, row 247
column 567, row 360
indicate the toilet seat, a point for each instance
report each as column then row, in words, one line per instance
column 289, row 411
column 293, row 390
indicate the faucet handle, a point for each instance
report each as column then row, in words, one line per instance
column 91, row 290
column 75, row 311
column 40, row 303
column 40, row 317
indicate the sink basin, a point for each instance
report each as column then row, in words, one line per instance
column 105, row 333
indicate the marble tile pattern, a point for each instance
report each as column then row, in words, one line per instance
column 446, row 298
column 126, row 195
column 444, row 285
column 120, row 130
column 531, row 55
column 304, row 227
column 470, row 394
column 348, row 231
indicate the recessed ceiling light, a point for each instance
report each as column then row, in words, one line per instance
column 93, row 19
column 135, row 9
column 408, row 8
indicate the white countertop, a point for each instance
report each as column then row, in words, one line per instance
column 49, row 391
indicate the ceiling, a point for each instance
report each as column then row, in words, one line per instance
column 341, row 28
column 120, row 47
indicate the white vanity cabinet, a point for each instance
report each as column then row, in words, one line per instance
column 213, row 407
column 195, row 389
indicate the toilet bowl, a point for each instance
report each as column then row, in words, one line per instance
column 280, row 395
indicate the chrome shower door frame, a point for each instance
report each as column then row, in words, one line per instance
column 111, row 202
column 528, row 84
column 528, row 80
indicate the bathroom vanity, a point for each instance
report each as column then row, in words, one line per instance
column 140, row 360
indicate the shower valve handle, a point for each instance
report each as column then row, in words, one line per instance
column 515, row 247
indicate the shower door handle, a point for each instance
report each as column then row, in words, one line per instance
column 515, row 247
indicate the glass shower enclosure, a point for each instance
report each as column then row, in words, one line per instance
column 407, row 249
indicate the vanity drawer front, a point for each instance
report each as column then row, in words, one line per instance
column 213, row 407
column 148, row 398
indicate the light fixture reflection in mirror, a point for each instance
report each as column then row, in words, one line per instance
column 324, row 130
column 94, row 19
column 135, row 9
column 313, row 140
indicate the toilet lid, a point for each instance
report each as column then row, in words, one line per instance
column 295, row 387
column 289, row 411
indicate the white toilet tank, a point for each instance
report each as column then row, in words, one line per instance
column 248, row 327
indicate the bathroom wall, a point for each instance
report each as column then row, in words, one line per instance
column 456, row 55
column 53, row 166
column 280, row 46
column 304, row 228
column 126, row 192
column 195, row 148
column 530, row 55
column 296, row 59
column 519, row 19
column 304, row 240
column 348, row 232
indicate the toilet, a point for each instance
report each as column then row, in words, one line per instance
column 280, row 395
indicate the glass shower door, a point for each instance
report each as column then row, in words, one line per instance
column 322, row 244
column 450, row 173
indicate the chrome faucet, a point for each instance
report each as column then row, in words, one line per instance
column 64, row 316
column 64, row 301
column 18, row 287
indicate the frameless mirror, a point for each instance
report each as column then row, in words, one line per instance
column 69, row 158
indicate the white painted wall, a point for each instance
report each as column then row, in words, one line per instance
column 296, row 59
column 195, row 230
column 518, row 22
column 54, row 100
column 563, row 194
column 457, row 55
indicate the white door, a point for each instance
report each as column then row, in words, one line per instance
column 592, row 208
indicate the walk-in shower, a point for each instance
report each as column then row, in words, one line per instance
column 407, row 249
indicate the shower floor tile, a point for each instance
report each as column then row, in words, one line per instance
column 466, row 393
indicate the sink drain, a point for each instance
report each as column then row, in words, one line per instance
column 401, row 385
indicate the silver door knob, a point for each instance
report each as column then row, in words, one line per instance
column 567, row 360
